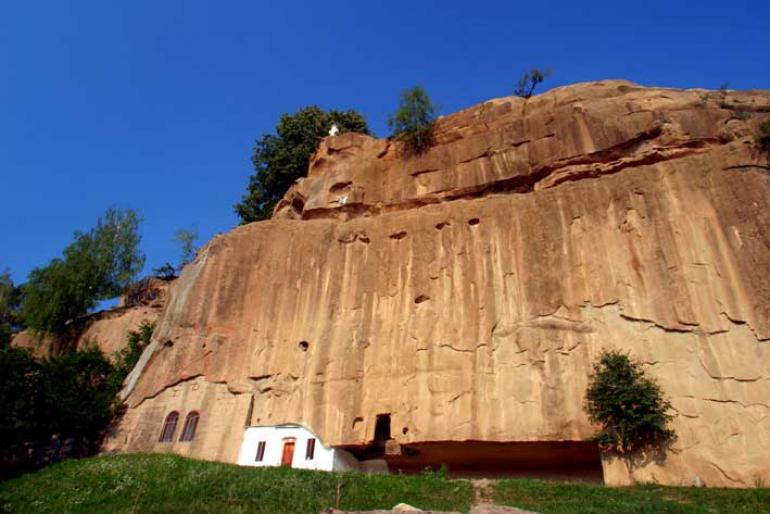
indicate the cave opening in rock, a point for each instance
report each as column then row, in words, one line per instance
column 563, row 460
column 382, row 430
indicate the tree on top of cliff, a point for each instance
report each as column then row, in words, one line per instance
column 529, row 81
column 627, row 405
column 281, row 158
column 414, row 120
column 98, row 265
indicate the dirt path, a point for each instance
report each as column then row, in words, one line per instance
column 482, row 490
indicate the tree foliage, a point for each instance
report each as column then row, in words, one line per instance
column 414, row 121
column 70, row 398
column 529, row 81
column 53, row 408
column 282, row 157
column 10, row 296
column 136, row 341
column 628, row 406
column 20, row 376
column 186, row 239
column 97, row 265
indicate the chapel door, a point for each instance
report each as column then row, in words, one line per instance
column 288, row 453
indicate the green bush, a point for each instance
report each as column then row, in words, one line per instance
column 413, row 123
column 53, row 408
column 136, row 342
column 628, row 406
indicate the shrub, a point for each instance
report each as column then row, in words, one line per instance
column 414, row 121
column 529, row 81
column 166, row 272
column 136, row 342
column 628, row 406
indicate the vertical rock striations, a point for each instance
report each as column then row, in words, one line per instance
column 467, row 292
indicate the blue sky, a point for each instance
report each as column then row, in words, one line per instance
column 156, row 105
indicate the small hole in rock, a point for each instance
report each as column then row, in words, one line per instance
column 169, row 344
column 404, row 430
column 303, row 345
column 441, row 225
column 421, row 298
column 474, row 221
column 398, row 235
column 298, row 204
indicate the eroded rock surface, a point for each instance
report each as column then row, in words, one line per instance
column 466, row 292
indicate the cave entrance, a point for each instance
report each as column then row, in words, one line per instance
column 561, row 460
column 382, row 430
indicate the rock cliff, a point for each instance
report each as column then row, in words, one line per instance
column 467, row 291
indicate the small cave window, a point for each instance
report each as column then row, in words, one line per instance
column 382, row 429
column 260, row 451
column 298, row 204
column 190, row 426
column 310, row 449
column 474, row 221
column 303, row 345
column 169, row 427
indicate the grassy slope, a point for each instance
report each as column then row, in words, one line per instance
column 560, row 497
column 166, row 483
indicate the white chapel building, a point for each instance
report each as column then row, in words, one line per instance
column 292, row 445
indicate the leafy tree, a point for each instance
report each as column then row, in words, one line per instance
column 97, row 265
column 414, row 121
column 78, row 396
column 281, row 158
column 20, row 379
column 529, row 81
column 10, row 296
column 45, row 403
column 186, row 239
column 628, row 406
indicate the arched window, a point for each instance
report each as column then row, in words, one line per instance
column 169, row 427
column 190, row 424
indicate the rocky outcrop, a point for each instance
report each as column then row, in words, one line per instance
column 107, row 329
column 466, row 292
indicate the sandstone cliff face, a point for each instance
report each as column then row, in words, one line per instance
column 466, row 292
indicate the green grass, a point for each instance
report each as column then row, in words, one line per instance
column 167, row 483
column 549, row 497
